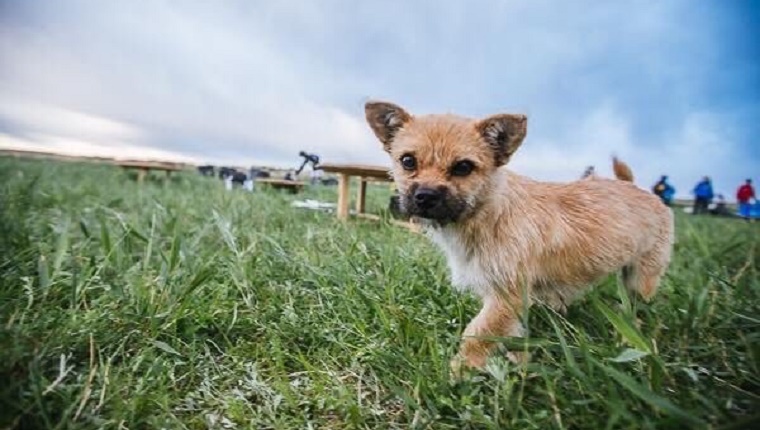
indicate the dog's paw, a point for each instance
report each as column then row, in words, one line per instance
column 461, row 365
column 456, row 367
column 518, row 357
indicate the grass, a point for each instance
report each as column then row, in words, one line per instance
column 180, row 305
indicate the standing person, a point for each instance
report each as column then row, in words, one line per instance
column 744, row 196
column 664, row 190
column 703, row 195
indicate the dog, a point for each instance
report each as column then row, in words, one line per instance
column 511, row 240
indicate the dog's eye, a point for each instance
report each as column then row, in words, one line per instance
column 462, row 168
column 408, row 162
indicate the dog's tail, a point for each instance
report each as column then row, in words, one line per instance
column 622, row 171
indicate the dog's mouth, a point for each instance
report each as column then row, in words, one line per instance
column 437, row 205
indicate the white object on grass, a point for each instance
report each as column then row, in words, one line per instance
column 312, row 204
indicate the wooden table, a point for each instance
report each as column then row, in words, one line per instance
column 365, row 173
column 143, row 167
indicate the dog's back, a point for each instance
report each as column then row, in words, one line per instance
column 581, row 231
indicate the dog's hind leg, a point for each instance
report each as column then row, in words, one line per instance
column 644, row 274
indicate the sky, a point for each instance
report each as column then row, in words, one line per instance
column 670, row 86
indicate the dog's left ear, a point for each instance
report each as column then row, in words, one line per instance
column 504, row 133
column 386, row 119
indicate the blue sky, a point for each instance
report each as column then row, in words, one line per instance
column 671, row 86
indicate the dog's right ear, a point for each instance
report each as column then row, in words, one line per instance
column 386, row 119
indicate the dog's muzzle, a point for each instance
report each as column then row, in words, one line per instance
column 435, row 203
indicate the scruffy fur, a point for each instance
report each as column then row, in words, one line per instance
column 510, row 239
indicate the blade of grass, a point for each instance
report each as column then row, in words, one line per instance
column 569, row 358
column 627, row 330
column 648, row 396
column 60, row 249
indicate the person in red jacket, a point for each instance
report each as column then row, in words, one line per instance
column 744, row 196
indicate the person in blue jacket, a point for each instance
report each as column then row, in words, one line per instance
column 703, row 195
column 664, row 190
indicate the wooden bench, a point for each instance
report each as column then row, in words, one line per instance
column 292, row 186
column 143, row 167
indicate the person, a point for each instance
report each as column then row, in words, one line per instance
column 703, row 195
column 588, row 172
column 744, row 195
column 664, row 190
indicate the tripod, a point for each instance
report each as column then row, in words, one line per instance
column 308, row 158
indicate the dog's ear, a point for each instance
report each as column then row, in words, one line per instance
column 386, row 119
column 504, row 133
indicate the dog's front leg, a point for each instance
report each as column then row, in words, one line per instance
column 499, row 317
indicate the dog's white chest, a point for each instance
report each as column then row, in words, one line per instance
column 468, row 271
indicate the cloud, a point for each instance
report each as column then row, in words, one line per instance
column 62, row 145
column 34, row 116
column 666, row 85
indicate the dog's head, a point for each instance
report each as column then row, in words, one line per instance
column 443, row 164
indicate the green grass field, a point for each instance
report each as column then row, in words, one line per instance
column 180, row 305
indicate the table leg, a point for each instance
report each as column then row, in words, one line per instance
column 343, row 182
column 141, row 175
column 360, row 197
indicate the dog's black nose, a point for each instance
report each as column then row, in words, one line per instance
column 426, row 198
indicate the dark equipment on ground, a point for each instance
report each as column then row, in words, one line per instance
column 225, row 172
column 236, row 177
column 207, row 170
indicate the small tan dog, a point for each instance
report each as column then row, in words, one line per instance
column 507, row 237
